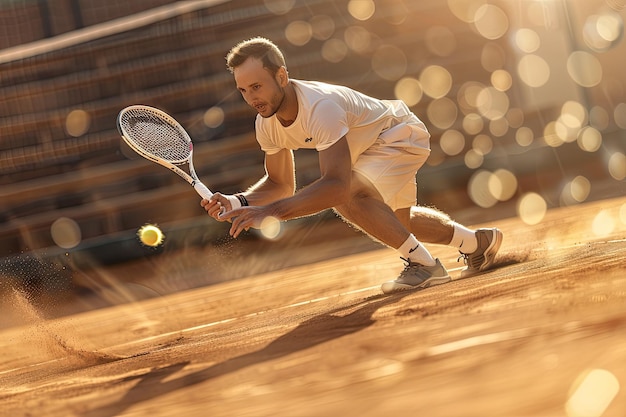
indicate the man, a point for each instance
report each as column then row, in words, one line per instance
column 369, row 153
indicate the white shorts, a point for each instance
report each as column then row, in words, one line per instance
column 392, row 162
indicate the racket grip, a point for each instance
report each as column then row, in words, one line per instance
column 202, row 190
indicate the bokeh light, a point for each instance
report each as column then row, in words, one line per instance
column 532, row 208
column 524, row 136
column 617, row 166
column 575, row 191
column 533, row 70
column 361, row 9
column 442, row 113
column 65, row 233
column 482, row 144
column 491, row 21
column 527, row 40
column 589, row 139
column 603, row 224
column 409, row 90
column 602, row 31
column 619, row 114
column 501, row 80
column 551, row 136
column 299, row 32
column 492, row 104
column 467, row 96
column 580, row 187
column 502, row 184
column 436, row 81
column 584, row 69
column 358, row 39
column 473, row 123
column 334, row 50
column 213, row 117
column 77, row 123
column 499, row 127
column 573, row 114
column 465, row 10
column 592, row 393
column 279, row 7
column 473, row 159
column 322, row 27
column 270, row 228
column 478, row 189
column 452, row 142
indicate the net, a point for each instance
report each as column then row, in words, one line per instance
column 155, row 134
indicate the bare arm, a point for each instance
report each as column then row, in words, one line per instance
column 331, row 189
column 279, row 180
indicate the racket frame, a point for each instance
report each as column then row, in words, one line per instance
column 192, row 177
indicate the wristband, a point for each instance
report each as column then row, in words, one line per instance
column 235, row 203
column 242, row 199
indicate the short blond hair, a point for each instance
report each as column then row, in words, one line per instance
column 260, row 48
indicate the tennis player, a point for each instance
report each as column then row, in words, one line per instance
column 369, row 153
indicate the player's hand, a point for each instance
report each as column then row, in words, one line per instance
column 218, row 203
column 244, row 218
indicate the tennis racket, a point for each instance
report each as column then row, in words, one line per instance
column 158, row 137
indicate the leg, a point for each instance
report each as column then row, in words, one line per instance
column 367, row 212
column 427, row 224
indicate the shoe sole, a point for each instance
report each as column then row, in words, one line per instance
column 393, row 287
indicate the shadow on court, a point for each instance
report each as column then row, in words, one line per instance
column 317, row 330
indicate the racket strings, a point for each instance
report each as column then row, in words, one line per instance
column 156, row 136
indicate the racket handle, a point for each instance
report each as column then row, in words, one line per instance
column 202, row 190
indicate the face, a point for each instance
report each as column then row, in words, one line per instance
column 259, row 88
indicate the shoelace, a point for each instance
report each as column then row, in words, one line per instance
column 408, row 265
column 465, row 257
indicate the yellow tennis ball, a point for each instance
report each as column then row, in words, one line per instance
column 150, row 235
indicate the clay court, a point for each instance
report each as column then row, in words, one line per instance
column 526, row 105
column 543, row 334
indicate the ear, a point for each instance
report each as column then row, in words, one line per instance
column 282, row 76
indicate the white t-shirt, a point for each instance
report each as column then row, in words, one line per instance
column 326, row 113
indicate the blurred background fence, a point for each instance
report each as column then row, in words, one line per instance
column 526, row 102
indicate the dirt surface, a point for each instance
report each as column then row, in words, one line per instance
column 543, row 334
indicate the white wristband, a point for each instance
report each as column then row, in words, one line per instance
column 234, row 201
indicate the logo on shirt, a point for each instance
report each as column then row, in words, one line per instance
column 308, row 140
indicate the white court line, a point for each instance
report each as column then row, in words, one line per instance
column 466, row 343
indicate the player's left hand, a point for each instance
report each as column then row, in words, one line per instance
column 244, row 218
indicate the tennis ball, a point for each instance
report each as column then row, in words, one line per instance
column 150, row 235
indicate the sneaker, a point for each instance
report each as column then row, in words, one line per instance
column 416, row 277
column 489, row 241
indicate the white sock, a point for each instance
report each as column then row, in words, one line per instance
column 414, row 251
column 464, row 239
